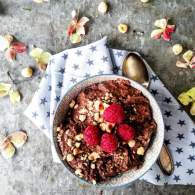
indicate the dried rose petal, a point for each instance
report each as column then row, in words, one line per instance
column 71, row 29
column 19, row 47
column 170, row 28
column 18, row 138
column 10, row 54
column 166, row 36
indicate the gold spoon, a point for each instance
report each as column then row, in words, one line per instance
column 134, row 67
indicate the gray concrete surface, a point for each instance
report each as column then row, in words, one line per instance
column 32, row 171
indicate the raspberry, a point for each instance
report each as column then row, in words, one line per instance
column 114, row 114
column 126, row 132
column 108, row 143
column 91, row 135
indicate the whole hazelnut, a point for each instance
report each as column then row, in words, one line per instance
column 27, row 72
column 103, row 7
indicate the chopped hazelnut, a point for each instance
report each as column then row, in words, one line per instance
column 106, row 126
column 76, row 106
column 77, row 144
column 93, row 181
column 96, row 116
column 72, row 103
column 75, row 151
column 83, row 111
column 69, row 142
column 177, row 49
column 92, row 166
column 79, row 172
column 69, row 157
column 131, row 143
column 82, row 117
column 67, row 131
column 140, row 151
column 58, row 129
column 79, row 137
column 93, row 156
column 103, row 7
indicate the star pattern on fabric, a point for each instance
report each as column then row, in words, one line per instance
column 157, row 177
column 181, row 109
column 193, row 131
column 191, row 157
column 167, row 141
column 46, row 75
column 104, row 59
column 90, row 62
column 59, row 85
column 43, row 127
column 190, row 171
column 178, row 164
column 179, row 150
column 181, row 122
column 119, row 54
column 34, row 114
column 176, row 178
column 180, row 136
column 154, row 92
column 48, row 114
column 168, row 113
column 87, row 75
column 52, row 61
column 101, row 72
column 73, row 80
column 49, row 88
column 65, row 56
column 62, row 70
column 76, row 66
column 57, row 98
column 192, row 144
column 93, row 48
column 167, row 100
column 154, row 78
column 168, row 128
column 79, row 53
column 43, row 101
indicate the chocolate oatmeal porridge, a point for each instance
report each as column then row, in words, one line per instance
column 107, row 130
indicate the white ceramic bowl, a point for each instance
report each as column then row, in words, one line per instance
column 151, row 154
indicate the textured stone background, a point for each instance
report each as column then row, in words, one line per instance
column 32, row 171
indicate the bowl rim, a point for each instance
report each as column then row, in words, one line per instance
column 141, row 88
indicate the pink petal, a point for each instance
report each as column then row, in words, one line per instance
column 170, row 28
column 83, row 21
column 166, row 36
column 19, row 47
column 192, row 63
column 71, row 29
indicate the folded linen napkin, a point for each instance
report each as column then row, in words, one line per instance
column 73, row 65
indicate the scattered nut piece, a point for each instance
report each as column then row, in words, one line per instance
column 181, row 64
column 93, row 181
column 76, row 151
column 106, row 126
column 82, row 117
column 177, row 49
column 96, row 116
column 131, row 143
column 103, row 7
column 69, row 157
column 92, row 166
column 27, row 72
column 83, row 111
column 144, row 1
column 187, row 56
column 72, row 103
column 93, row 156
column 58, row 129
column 18, row 138
column 79, row 172
column 7, row 149
column 79, row 137
column 77, row 144
column 67, row 131
column 76, row 106
column 69, row 142
column 122, row 28
column 140, row 151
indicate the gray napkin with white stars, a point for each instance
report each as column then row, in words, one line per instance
column 73, row 65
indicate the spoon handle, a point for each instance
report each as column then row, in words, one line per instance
column 165, row 161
